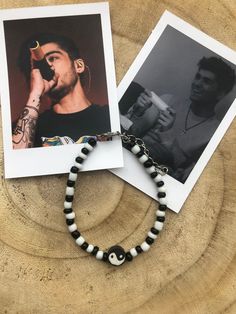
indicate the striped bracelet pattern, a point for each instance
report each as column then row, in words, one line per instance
column 116, row 255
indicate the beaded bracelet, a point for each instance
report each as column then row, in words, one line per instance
column 116, row 255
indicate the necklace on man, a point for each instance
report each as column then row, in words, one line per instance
column 116, row 255
column 186, row 127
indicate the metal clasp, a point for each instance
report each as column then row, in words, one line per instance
column 107, row 135
column 110, row 134
column 128, row 138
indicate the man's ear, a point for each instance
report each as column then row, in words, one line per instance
column 79, row 65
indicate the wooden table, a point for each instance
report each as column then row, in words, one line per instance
column 191, row 268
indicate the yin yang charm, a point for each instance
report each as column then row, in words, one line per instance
column 116, row 255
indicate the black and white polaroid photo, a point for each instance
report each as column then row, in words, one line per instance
column 179, row 98
column 57, row 87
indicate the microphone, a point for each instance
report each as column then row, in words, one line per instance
column 40, row 62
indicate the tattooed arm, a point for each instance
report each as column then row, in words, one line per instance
column 24, row 132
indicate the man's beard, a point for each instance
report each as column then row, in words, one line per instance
column 57, row 94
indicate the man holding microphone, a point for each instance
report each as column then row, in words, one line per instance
column 71, row 115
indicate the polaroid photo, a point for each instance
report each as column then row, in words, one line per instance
column 57, row 86
column 179, row 97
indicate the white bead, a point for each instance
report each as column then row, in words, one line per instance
column 162, row 201
column 99, row 255
column 133, row 252
column 73, row 176
column 145, row 246
column 72, row 227
column 67, row 204
column 158, row 178
column 150, row 169
column 135, row 149
column 82, row 155
column 143, row 158
column 70, row 190
column 158, row 225
column 90, row 248
column 160, row 213
column 78, row 165
column 162, row 189
column 80, row 240
column 70, row 215
column 88, row 146
column 152, row 235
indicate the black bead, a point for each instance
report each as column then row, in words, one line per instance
column 69, row 198
column 84, row 246
column 70, row 221
column 132, row 143
column 154, row 231
column 68, row 210
column 139, row 249
column 70, row 183
column 139, row 142
column 153, row 174
column 148, row 163
column 74, row 169
column 161, row 219
column 149, row 240
column 105, row 256
column 95, row 250
column 85, row 151
column 75, row 234
column 160, row 183
column 161, row 194
column 129, row 257
column 162, row 207
column 140, row 154
column 92, row 142
column 79, row 159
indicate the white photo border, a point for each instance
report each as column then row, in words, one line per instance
column 132, row 172
column 56, row 160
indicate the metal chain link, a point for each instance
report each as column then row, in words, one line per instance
column 128, row 138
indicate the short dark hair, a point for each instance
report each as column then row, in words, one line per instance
column 225, row 75
column 65, row 43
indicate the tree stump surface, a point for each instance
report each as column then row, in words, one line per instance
column 191, row 268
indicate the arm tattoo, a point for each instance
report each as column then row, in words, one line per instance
column 24, row 132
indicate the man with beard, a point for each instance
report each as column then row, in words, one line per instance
column 71, row 115
column 178, row 135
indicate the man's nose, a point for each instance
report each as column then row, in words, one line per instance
column 197, row 82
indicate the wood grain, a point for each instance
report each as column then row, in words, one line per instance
column 191, row 268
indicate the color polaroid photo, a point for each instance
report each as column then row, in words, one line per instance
column 57, row 86
column 179, row 97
